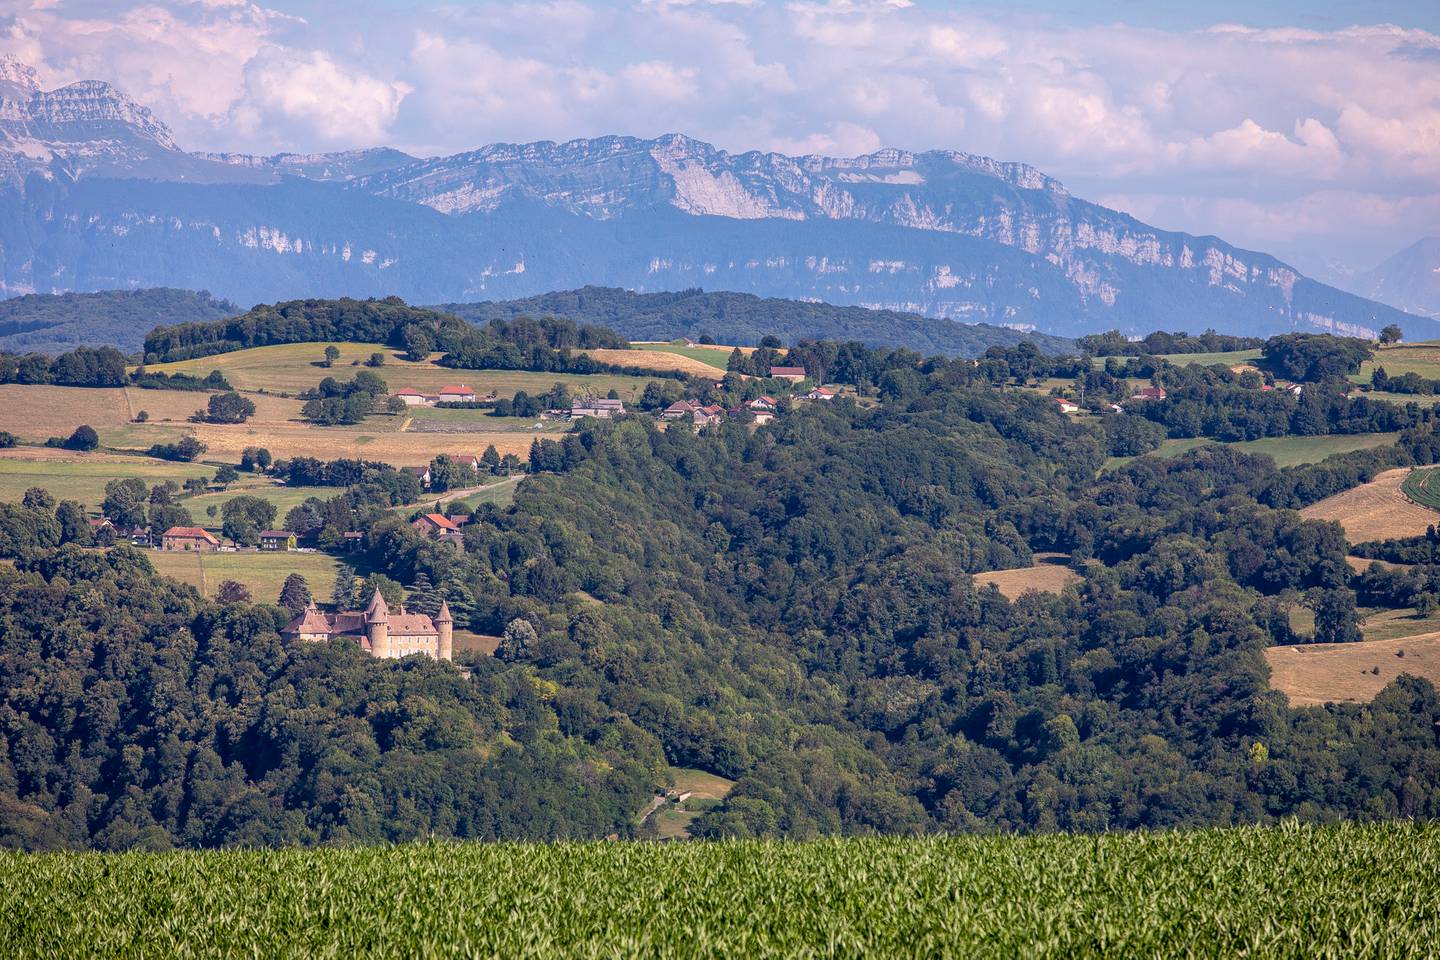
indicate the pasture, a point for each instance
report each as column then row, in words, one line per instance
column 294, row 367
column 1287, row 891
column 1378, row 510
column 263, row 572
column 1316, row 673
column 1049, row 574
column 1230, row 358
column 284, row 497
column 1402, row 358
column 1285, row 451
column 82, row 476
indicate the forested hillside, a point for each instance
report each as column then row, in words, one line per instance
column 792, row 607
column 747, row 319
column 53, row 323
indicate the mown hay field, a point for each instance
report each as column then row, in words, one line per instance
column 263, row 572
column 711, row 363
column 1048, row 575
column 293, row 367
column 82, row 476
column 1315, row 673
column 1378, row 510
column 1289, row 891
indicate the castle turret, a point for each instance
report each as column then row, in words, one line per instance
column 377, row 626
column 445, row 624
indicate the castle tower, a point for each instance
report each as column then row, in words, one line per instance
column 377, row 626
column 446, row 625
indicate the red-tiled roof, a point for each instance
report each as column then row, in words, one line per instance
column 192, row 533
column 456, row 388
column 409, row 392
column 787, row 371
column 440, row 520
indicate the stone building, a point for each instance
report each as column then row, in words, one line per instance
column 379, row 632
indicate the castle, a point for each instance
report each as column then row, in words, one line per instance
column 378, row 631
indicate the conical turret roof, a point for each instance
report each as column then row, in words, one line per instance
column 444, row 615
column 378, row 611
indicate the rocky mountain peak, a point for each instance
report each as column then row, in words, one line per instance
column 92, row 109
column 17, row 78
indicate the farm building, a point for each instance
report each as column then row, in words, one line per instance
column 437, row 526
column 793, row 374
column 195, row 539
column 1066, row 406
column 679, row 410
column 455, row 393
column 277, row 540
column 414, row 398
column 379, row 632
column 601, row 409
column 1149, row 393
column 819, row 393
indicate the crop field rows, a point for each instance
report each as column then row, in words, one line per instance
column 1378, row 510
column 1289, row 891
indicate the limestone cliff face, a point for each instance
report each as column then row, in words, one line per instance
column 100, row 197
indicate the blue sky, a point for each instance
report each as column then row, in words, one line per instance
column 1308, row 130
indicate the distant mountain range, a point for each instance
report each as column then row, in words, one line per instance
column 1409, row 281
column 95, row 194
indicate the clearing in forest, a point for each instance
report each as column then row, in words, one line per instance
column 1315, row 673
column 694, row 792
column 1048, row 575
column 1378, row 510
column 263, row 572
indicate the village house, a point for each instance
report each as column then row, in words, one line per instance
column 140, row 537
column 1067, row 406
column 100, row 523
column 379, row 632
column 708, row 416
column 352, row 540
column 437, row 526
column 679, row 410
column 601, row 409
column 277, row 540
column 195, row 539
column 1149, row 393
column 414, row 398
column 419, row 473
column 793, row 374
column 468, row 460
column 765, row 403
column 819, row 393
column 762, row 417
column 455, row 393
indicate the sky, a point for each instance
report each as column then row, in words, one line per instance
column 1306, row 129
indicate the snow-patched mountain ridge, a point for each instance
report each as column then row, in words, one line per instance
column 95, row 194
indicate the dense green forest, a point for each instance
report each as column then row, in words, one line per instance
column 55, row 322
column 743, row 318
column 790, row 606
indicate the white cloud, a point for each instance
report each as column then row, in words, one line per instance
column 288, row 92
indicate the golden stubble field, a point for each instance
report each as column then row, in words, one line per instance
column 293, row 368
column 1048, row 575
column 34, row 413
column 1316, row 673
column 1377, row 510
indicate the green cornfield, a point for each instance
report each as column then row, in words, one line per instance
column 1288, row 891
column 1423, row 486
